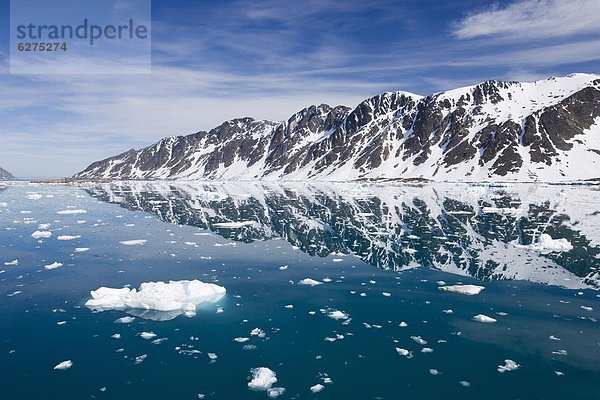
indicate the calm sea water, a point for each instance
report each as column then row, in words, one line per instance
column 381, row 253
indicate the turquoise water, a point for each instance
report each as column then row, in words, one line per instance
column 344, row 234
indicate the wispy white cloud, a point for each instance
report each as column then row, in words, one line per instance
column 527, row 19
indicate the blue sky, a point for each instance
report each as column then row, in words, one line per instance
column 217, row 60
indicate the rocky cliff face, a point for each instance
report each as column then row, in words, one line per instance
column 6, row 176
column 546, row 130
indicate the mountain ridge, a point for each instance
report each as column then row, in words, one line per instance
column 6, row 176
column 547, row 130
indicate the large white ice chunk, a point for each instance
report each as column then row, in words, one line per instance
column 469, row 290
column 159, row 296
column 263, row 378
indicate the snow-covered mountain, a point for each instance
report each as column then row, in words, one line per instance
column 486, row 231
column 547, row 130
column 6, row 176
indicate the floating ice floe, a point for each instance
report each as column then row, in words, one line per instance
column 147, row 335
column 34, row 196
column 81, row 249
column 64, row 365
column 434, row 372
column 484, row 319
column 175, row 298
column 71, row 212
column 41, row 234
column 54, row 265
column 317, row 388
column 124, row 320
column 13, row 262
column 337, row 315
column 136, row 242
column 546, row 244
column 509, row 365
column 241, row 339
column 263, row 379
column 258, row 332
column 139, row 359
column 469, row 290
column 309, row 282
column 275, row 392
column 419, row 340
column 68, row 237
column 404, row 352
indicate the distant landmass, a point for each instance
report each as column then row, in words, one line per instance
column 6, row 176
column 547, row 130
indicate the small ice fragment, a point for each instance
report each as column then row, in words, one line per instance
column 13, row 262
column 317, row 388
column 275, row 392
column 403, row 352
column 419, row 340
column 116, row 336
column 148, row 335
column 136, row 242
column 139, row 359
column 289, row 306
column 258, row 332
column 337, row 315
column 64, row 365
column 426, row 350
column 449, row 311
column 386, row 294
column 41, row 234
column 81, row 249
column 68, row 237
column 587, row 308
column 263, row 379
column 509, row 365
column 403, row 324
column 434, row 372
column 309, row 282
column 60, row 323
column 484, row 319
column 241, row 339
column 558, row 373
column 71, row 212
column 469, row 290
column 212, row 356
column 465, row 383
column 283, row 267
column 124, row 320
column 54, row 265
column 552, row 337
